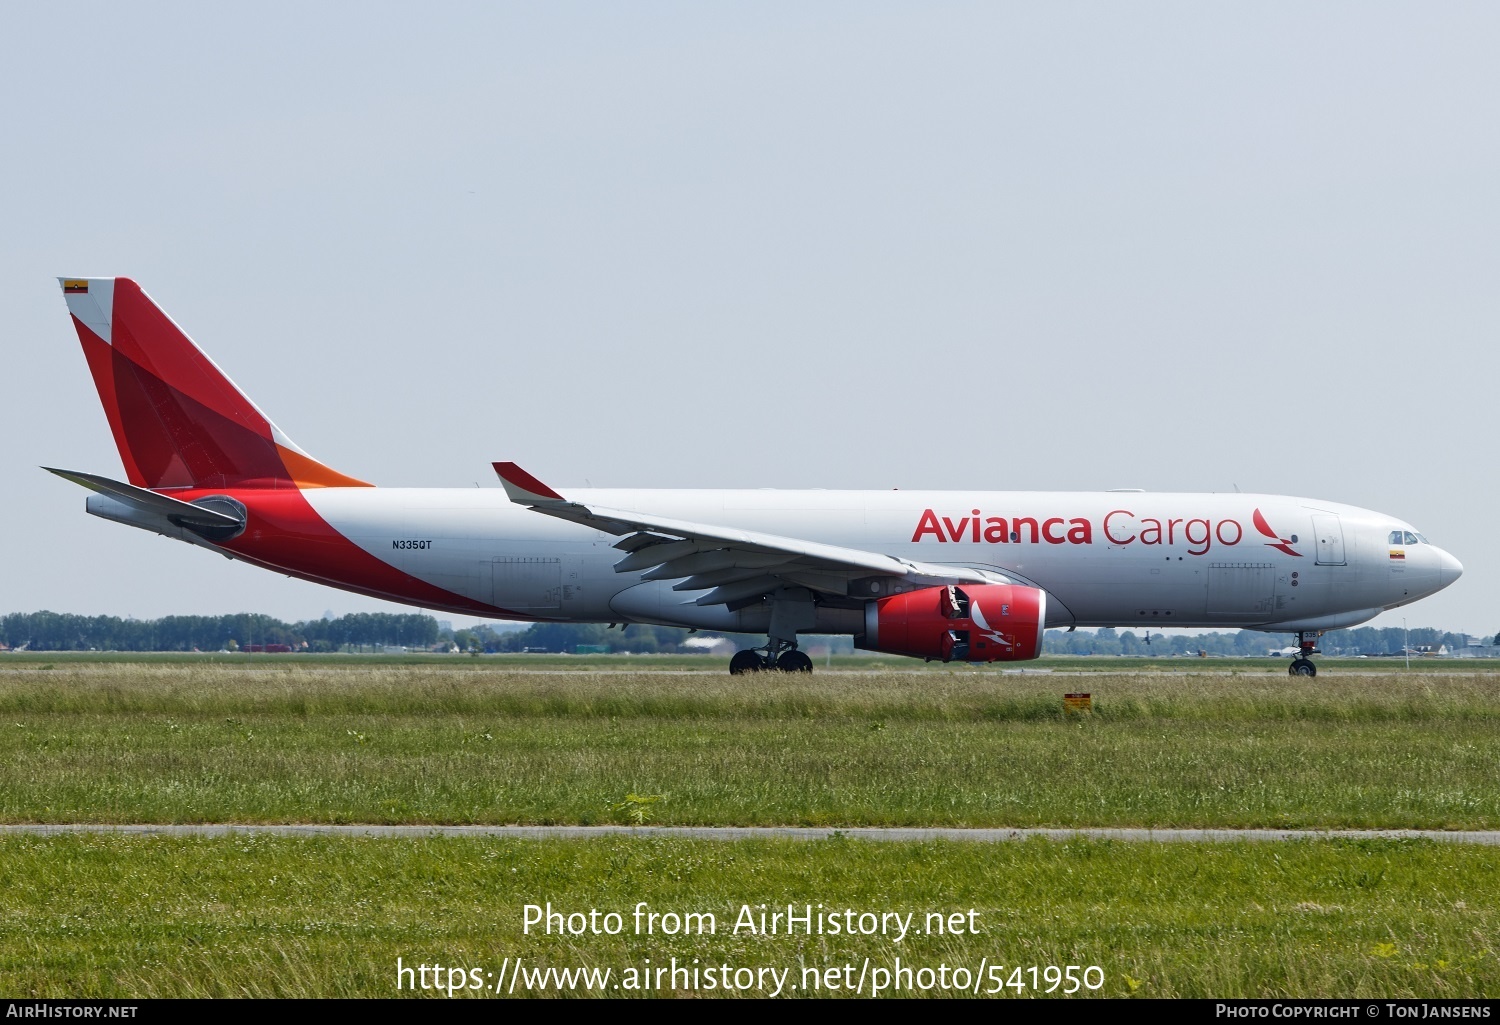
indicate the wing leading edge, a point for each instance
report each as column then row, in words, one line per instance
column 736, row 567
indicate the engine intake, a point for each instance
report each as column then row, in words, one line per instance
column 968, row 623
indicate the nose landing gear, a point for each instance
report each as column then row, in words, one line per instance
column 1307, row 645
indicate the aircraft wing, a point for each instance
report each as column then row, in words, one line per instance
column 735, row 566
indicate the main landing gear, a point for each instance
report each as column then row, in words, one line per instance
column 793, row 609
column 772, row 656
column 1307, row 645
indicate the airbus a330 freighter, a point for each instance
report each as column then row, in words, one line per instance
column 968, row 576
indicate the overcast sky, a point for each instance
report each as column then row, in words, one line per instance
column 1168, row 246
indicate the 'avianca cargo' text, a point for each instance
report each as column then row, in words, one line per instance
column 1118, row 527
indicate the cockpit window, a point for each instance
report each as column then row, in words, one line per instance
column 1395, row 537
column 1411, row 538
column 1423, row 538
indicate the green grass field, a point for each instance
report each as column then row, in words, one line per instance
column 458, row 744
column 268, row 916
column 487, row 740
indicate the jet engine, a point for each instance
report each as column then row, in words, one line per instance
column 965, row 623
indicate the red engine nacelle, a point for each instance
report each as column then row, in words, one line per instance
column 967, row 623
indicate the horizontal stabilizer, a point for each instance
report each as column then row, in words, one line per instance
column 184, row 513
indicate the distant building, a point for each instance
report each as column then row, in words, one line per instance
column 708, row 645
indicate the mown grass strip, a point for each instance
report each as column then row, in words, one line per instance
column 116, row 916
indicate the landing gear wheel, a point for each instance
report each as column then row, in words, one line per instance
column 794, row 661
column 745, row 662
column 1302, row 667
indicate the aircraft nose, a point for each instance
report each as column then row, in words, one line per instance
column 1449, row 568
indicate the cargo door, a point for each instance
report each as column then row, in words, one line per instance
column 1241, row 590
column 526, row 584
column 1330, row 534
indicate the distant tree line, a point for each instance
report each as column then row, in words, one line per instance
column 364, row 631
column 1366, row 640
column 56, row 631
column 558, row 637
column 59, row 631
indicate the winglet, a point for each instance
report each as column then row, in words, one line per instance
column 522, row 487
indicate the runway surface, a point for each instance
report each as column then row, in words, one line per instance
column 1484, row 837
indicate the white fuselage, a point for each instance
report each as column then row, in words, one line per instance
column 1104, row 558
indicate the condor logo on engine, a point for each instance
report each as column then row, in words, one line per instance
column 958, row 623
